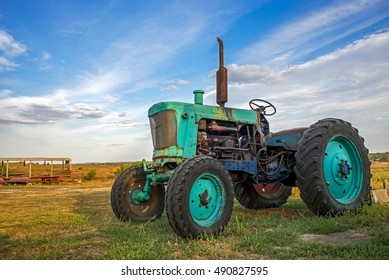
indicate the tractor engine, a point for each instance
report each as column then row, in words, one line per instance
column 225, row 141
column 218, row 139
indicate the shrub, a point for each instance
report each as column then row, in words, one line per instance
column 90, row 175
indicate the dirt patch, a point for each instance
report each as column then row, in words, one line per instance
column 377, row 164
column 337, row 238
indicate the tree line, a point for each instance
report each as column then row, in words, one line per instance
column 379, row 156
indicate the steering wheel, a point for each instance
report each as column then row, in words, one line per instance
column 262, row 108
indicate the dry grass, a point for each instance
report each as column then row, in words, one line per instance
column 380, row 175
column 75, row 221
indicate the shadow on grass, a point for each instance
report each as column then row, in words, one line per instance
column 6, row 246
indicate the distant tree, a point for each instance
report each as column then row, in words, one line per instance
column 379, row 156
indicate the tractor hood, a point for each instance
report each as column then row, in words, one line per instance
column 198, row 112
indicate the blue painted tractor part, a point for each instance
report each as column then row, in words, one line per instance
column 205, row 156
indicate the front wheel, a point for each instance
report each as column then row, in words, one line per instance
column 123, row 197
column 199, row 197
column 332, row 168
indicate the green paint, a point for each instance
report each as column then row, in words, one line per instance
column 187, row 117
column 140, row 196
column 344, row 187
column 206, row 200
column 169, row 154
column 199, row 94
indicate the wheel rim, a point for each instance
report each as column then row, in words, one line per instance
column 140, row 209
column 270, row 191
column 206, row 200
column 342, row 167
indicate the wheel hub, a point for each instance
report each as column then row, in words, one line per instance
column 340, row 157
column 204, row 199
column 139, row 196
column 344, row 169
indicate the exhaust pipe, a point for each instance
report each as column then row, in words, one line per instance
column 221, row 78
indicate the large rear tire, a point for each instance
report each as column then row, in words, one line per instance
column 199, row 197
column 125, row 207
column 332, row 168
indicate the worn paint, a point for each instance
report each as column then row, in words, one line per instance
column 169, row 154
column 249, row 166
column 287, row 138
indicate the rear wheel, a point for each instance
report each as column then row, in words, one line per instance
column 199, row 197
column 332, row 168
column 261, row 196
column 123, row 197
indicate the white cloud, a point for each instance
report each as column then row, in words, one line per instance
column 299, row 37
column 45, row 61
column 46, row 56
column 9, row 46
column 9, row 49
column 7, row 65
column 5, row 92
column 109, row 99
column 173, row 85
column 182, row 82
column 170, row 88
column 47, row 114
column 252, row 73
column 178, row 82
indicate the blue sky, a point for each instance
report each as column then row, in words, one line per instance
column 77, row 77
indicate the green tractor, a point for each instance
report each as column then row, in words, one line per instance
column 205, row 156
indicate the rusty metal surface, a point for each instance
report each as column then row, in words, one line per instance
column 221, row 78
column 164, row 129
column 2, row 181
column 19, row 180
column 214, row 126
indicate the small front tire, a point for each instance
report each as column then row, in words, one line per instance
column 125, row 207
column 199, row 197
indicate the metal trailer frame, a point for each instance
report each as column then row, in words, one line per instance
column 66, row 170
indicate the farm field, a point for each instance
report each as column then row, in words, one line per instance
column 75, row 221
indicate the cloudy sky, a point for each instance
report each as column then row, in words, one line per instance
column 77, row 77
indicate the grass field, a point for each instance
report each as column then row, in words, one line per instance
column 75, row 221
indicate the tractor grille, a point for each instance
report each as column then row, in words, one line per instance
column 164, row 129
